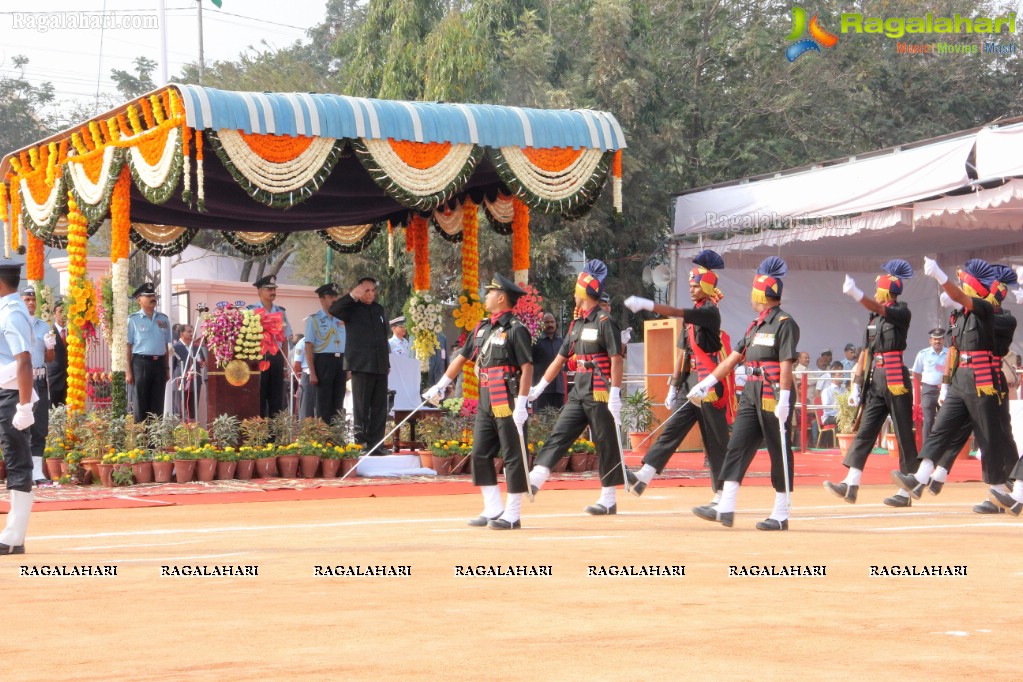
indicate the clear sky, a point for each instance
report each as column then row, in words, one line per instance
column 78, row 60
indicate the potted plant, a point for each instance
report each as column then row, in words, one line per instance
column 844, row 433
column 637, row 417
column 246, row 467
column 206, row 463
column 442, row 451
column 330, row 460
column 184, row 463
column 54, row 460
column 225, row 431
column 266, row 461
column 581, row 454
column 141, row 465
column 227, row 463
column 163, row 467
column 352, row 454
column 309, row 457
column 256, row 435
column 287, row 459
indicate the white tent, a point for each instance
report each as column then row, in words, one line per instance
column 953, row 198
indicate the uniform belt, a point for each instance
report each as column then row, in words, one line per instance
column 152, row 358
column 975, row 357
column 39, row 373
column 754, row 371
column 336, row 355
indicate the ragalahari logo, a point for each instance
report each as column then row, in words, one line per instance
column 819, row 37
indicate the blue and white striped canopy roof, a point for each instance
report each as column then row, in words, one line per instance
column 339, row 116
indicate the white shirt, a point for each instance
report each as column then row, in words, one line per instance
column 401, row 347
column 829, row 396
column 930, row 365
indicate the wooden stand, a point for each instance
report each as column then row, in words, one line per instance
column 659, row 355
column 239, row 401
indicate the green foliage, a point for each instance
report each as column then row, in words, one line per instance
column 224, row 431
column 846, row 413
column 21, row 119
column 637, row 412
column 255, row 432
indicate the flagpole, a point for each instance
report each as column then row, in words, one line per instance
column 165, row 261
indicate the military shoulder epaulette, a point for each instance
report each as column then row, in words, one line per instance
column 782, row 318
column 281, row 308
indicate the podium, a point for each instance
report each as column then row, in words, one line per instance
column 234, row 390
column 659, row 355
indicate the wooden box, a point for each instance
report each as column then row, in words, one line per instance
column 660, row 353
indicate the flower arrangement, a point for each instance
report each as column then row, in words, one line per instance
column 249, row 342
column 425, row 324
column 450, row 448
column 529, row 311
column 469, row 311
column 231, row 333
column 581, row 445
column 97, row 384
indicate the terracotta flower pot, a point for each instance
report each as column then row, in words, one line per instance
column 579, row 461
column 349, row 464
column 206, row 469
column 142, row 471
column 225, row 470
column 3, row 470
column 64, row 468
column 442, row 465
column 592, row 462
column 288, row 466
column 635, row 439
column 162, row 472
column 460, row 464
column 561, row 466
column 426, row 459
column 184, row 470
column 245, row 469
column 53, row 468
column 105, row 471
column 329, row 468
column 266, row 467
column 498, row 465
column 844, row 441
column 892, row 445
column 92, row 465
column 308, row 464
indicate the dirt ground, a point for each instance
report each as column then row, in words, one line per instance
column 287, row 623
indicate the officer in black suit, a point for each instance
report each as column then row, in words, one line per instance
column 366, row 357
column 56, row 371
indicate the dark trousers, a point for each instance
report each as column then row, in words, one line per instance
column 306, row 397
column 929, row 406
column 330, row 389
column 150, row 374
column 1009, row 458
column 15, row 444
column 878, row 404
column 369, row 407
column 548, row 400
column 492, row 437
column 963, row 405
column 754, row 426
column 713, row 427
column 271, row 387
column 576, row 415
column 41, row 412
column 58, row 396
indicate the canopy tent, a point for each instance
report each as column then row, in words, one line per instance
column 344, row 166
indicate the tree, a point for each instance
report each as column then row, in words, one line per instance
column 130, row 86
column 21, row 119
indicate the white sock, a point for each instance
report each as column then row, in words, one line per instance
column 491, row 501
column 923, row 474
column 853, row 477
column 37, row 469
column 538, row 476
column 781, row 507
column 729, row 493
column 1001, row 487
column 902, row 493
column 607, row 497
column 717, row 497
column 512, row 507
column 1017, row 490
column 940, row 475
column 13, row 534
column 646, row 473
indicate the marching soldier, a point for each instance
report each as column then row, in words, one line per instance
column 972, row 393
column 16, row 414
column 501, row 349
column 272, row 394
column 325, row 355
column 701, row 346
column 768, row 353
column 43, row 343
column 149, row 336
column 594, row 342
column 886, row 391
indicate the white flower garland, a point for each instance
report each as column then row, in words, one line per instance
column 450, row 222
column 89, row 191
column 119, row 285
column 41, row 214
column 502, row 208
column 556, row 185
column 419, row 182
column 425, row 314
column 276, row 178
column 155, row 175
column 248, row 344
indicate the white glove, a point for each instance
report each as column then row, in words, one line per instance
column 535, row 392
column 614, row 404
column 933, row 270
column 781, row 410
column 635, row 304
column 700, row 390
column 23, row 417
column 435, row 393
column 626, row 336
column 942, row 394
column 670, row 400
column 1019, row 272
column 854, row 395
column 520, row 414
column 50, row 340
column 850, row 289
column 947, row 302
column 1018, row 293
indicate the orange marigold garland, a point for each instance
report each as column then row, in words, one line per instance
column 616, row 181
column 34, row 259
column 418, row 229
column 120, row 218
column 520, row 241
column 200, row 186
column 77, row 306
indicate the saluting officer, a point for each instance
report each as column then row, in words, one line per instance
column 16, row 415
column 768, row 352
column 501, row 349
column 972, row 393
column 701, row 346
column 594, row 343
column 889, row 391
column 149, row 336
column 43, row 343
column 271, row 381
column 325, row 355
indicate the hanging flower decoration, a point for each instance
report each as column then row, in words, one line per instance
column 418, row 175
column 81, row 307
column 44, row 301
column 255, row 243
column 417, row 238
column 424, row 315
column 500, row 212
column 161, row 240
column 529, row 310
column 351, row 239
column 105, row 308
column 250, row 341
column 34, row 270
column 520, row 240
column 469, row 311
column 221, row 330
column 272, row 340
column 564, row 181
